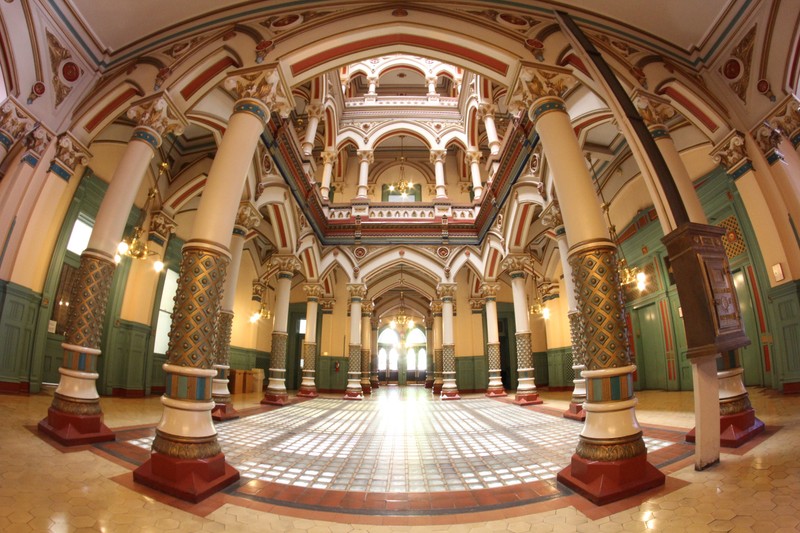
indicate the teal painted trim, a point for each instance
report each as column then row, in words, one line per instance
column 144, row 135
column 659, row 133
column 559, row 367
column 152, row 237
column 741, row 171
column 774, row 156
column 785, row 302
column 253, row 109
column 472, row 373
column 30, row 159
column 5, row 140
column 19, row 313
column 795, row 140
column 239, row 231
column 550, row 105
column 60, row 171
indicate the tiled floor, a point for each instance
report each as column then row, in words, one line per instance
column 363, row 450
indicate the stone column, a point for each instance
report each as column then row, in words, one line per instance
column 575, row 410
column 429, row 349
column 526, row 386
column 474, row 160
column 436, row 311
column 308, row 387
column 486, row 112
column 374, row 380
column 437, row 158
column 655, row 111
column 447, row 293
column 314, row 112
column 489, row 293
column 276, row 387
column 787, row 181
column 373, row 84
column 611, row 458
column 326, row 325
column 430, row 79
column 366, row 319
column 75, row 416
column 14, row 124
column 328, row 158
column 357, row 293
column 186, row 459
column 365, row 159
column 247, row 217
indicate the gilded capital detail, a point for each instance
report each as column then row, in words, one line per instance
column 159, row 116
column 490, row 290
column 515, row 263
column 537, row 82
column 286, row 264
column 446, row 291
column 14, row 123
column 357, row 292
column 262, row 88
column 654, row 110
column 197, row 306
column 313, row 291
column 731, row 152
column 247, row 217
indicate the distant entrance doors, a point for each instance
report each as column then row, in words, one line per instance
column 402, row 356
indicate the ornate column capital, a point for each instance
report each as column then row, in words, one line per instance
column 473, row 156
column 328, row 157
column 486, row 109
column 654, row 110
column 259, row 91
column 286, row 264
column 366, row 156
column 768, row 139
column 314, row 110
column 247, row 218
column 476, row 304
column 314, row 291
column 489, row 290
column 515, row 264
column 259, row 289
column 156, row 115
column 357, row 291
column 732, row 155
column 785, row 117
column 161, row 226
column 14, row 123
column 446, row 291
column 551, row 216
column 326, row 304
column 70, row 153
column 437, row 156
column 536, row 82
column 436, row 308
column 36, row 142
column 367, row 308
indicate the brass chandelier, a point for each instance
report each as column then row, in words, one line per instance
column 403, row 185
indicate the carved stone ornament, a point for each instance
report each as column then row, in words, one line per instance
column 446, row 290
column 357, row 290
column 476, row 304
column 489, row 290
column 731, row 152
column 13, row 121
column 486, row 109
column 285, row 263
column 313, row 290
column 263, row 84
column 366, row 156
column 162, row 225
column 551, row 216
column 653, row 109
column 327, row 304
column 65, row 71
column 70, row 152
column 259, row 288
column 786, row 117
column 737, row 68
column 539, row 81
column 247, row 216
column 314, row 111
column 158, row 114
column 473, row 156
column 515, row 263
column 767, row 138
column 328, row 157
column 436, row 307
column 37, row 140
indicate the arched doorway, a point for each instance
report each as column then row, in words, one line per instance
column 402, row 355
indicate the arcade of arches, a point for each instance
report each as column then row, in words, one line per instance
column 400, row 259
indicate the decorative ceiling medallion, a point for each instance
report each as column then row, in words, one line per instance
column 360, row 252
column 443, row 252
column 400, row 12
column 737, row 68
column 65, row 71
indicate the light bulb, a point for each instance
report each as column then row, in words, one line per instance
column 254, row 317
column 117, row 258
column 391, row 188
column 393, row 324
column 158, row 266
column 410, row 324
column 546, row 313
column 123, row 248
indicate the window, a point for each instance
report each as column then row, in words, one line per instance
column 415, row 337
column 382, row 360
column 79, row 238
column 411, row 360
column 422, row 359
column 393, row 356
column 388, row 337
column 165, row 308
column 301, row 327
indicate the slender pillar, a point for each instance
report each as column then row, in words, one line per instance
column 438, row 158
column 365, row 159
column 327, row 332
column 328, row 158
column 655, row 111
column 436, row 311
column 486, row 112
column 247, row 217
column 610, row 462
column 474, row 160
column 526, row 386
column 575, row 410
column 431, row 81
column 489, row 293
column 186, row 459
column 314, row 112
column 75, row 416
column 357, row 293
column 374, row 380
column 373, row 85
column 429, row 350
column 447, row 293
column 308, row 387
column 276, row 387
column 366, row 318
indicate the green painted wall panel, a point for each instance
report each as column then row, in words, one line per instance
column 328, row 378
column 559, row 367
column 19, row 312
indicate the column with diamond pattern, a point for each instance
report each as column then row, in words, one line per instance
column 436, row 311
column 366, row 316
column 447, row 293
column 357, row 293
column 489, row 293
column 308, row 387
column 276, row 386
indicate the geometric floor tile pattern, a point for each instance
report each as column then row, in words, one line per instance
column 400, row 440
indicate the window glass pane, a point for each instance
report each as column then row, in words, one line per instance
column 165, row 308
column 301, row 328
column 415, row 337
column 170, row 289
column 411, row 359
column 382, row 360
column 162, row 332
column 393, row 355
column 388, row 336
column 422, row 359
column 79, row 238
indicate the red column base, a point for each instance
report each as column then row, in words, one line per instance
column 530, row 398
column 602, row 482
column 307, row 392
column 353, row 395
column 224, row 411
column 279, row 399
column 429, row 384
column 450, row 394
column 575, row 412
column 72, row 430
column 437, row 388
column 375, row 384
column 366, row 389
column 735, row 430
column 496, row 393
column 188, row 479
